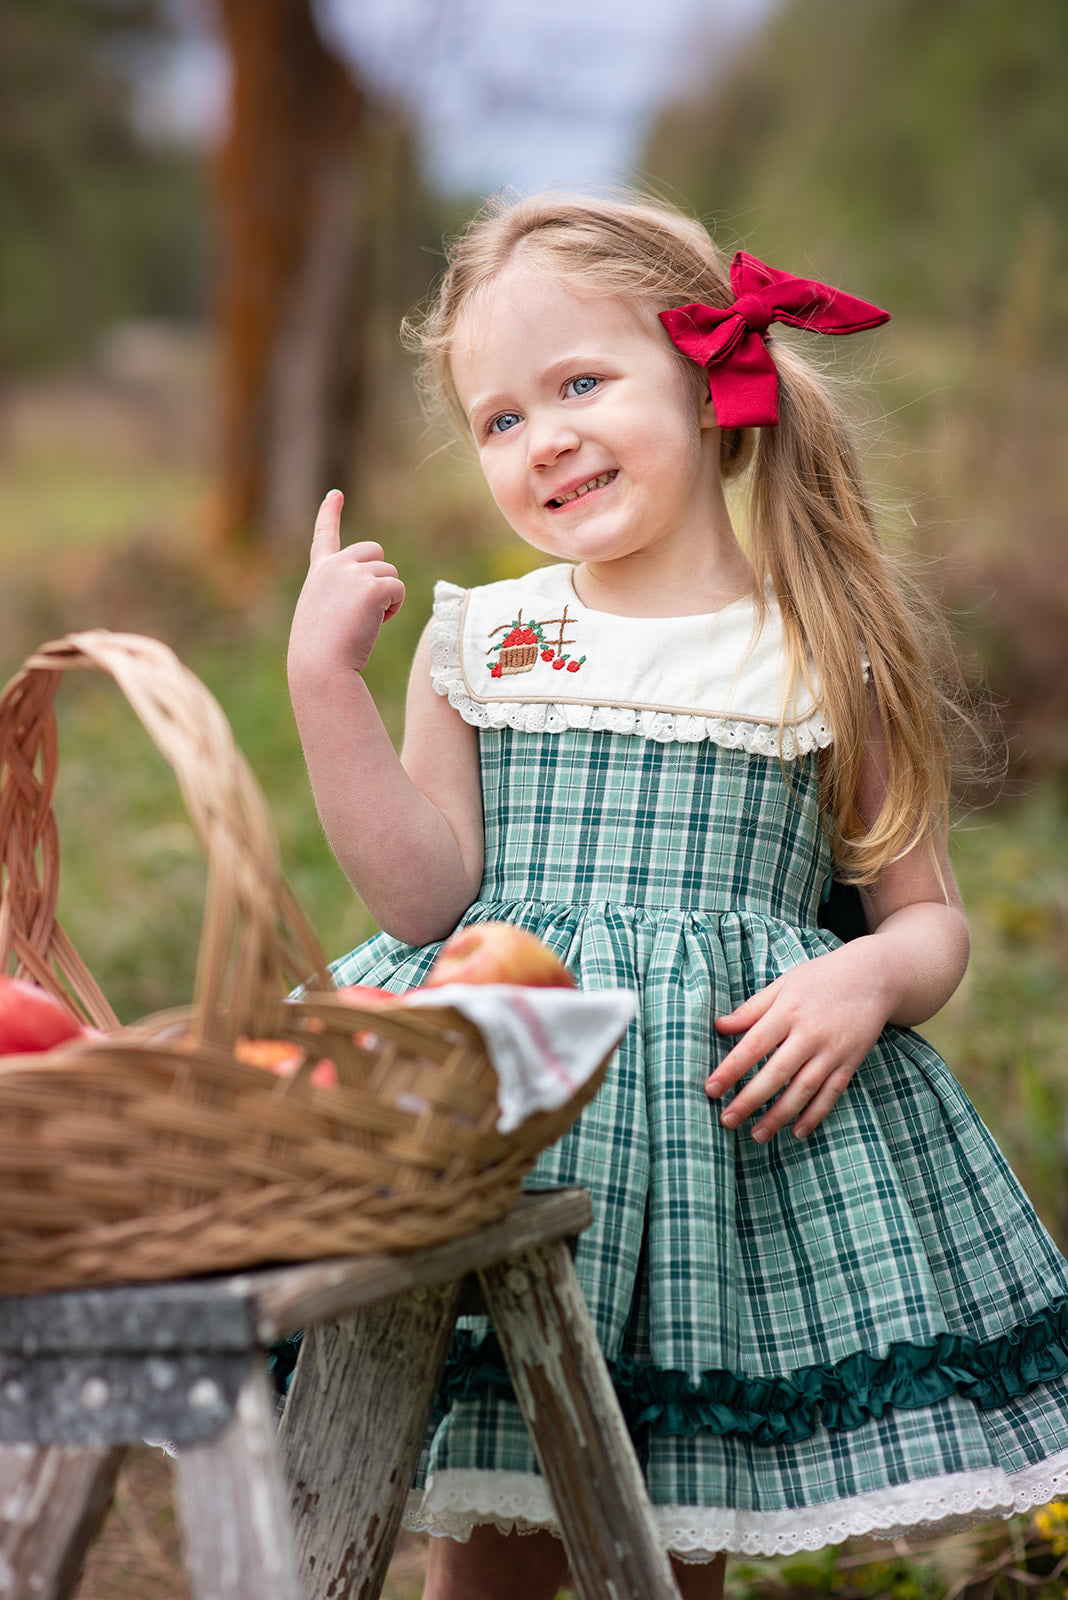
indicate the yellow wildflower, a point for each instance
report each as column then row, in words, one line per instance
column 1052, row 1523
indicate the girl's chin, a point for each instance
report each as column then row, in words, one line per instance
column 591, row 539
column 585, row 552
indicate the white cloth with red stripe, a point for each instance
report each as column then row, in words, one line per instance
column 544, row 1043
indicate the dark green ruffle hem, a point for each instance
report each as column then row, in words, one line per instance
column 787, row 1409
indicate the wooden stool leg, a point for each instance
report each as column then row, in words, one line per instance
column 234, row 1506
column 352, row 1431
column 52, row 1502
column 576, row 1428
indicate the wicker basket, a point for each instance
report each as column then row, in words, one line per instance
column 154, row 1152
column 517, row 658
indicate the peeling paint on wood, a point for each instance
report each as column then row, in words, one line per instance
column 583, row 1448
column 352, row 1432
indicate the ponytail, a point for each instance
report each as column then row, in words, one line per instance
column 844, row 610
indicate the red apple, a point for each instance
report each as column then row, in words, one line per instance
column 283, row 1058
column 274, row 1055
column 31, row 1018
column 497, row 952
column 365, row 994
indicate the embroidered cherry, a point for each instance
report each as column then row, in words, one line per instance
column 558, row 663
column 546, row 655
column 496, row 671
column 573, row 666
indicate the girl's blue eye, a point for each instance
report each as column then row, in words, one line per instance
column 504, row 422
column 584, row 385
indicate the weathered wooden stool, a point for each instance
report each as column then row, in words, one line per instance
column 310, row 1510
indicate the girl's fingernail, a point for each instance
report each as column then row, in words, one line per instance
column 730, row 1119
column 713, row 1089
column 761, row 1135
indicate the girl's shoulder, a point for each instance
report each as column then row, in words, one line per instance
column 526, row 653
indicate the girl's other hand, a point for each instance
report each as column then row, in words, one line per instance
column 812, row 1029
column 347, row 596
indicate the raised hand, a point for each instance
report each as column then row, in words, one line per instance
column 347, row 596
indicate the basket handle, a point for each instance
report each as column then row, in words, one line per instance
column 255, row 942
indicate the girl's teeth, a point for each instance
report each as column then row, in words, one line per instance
column 594, row 483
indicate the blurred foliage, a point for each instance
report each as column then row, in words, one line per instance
column 1005, row 1032
column 95, row 223
column 916, row 154
column 1003, row 1561
column 132, row 877
column 916, row 149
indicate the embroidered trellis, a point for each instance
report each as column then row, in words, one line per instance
column 525, row 642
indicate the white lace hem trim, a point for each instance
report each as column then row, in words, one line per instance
column 667, row 727
column 455, row 1502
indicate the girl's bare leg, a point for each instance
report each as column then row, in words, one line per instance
column 495, row 1566
column 704, row 1582
column 530, row 1566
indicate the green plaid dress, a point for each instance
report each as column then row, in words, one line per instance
column 860, row 1332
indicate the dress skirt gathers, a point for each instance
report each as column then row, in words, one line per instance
column 811, row 1339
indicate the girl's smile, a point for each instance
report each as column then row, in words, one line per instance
column 568, row 497
column 596, row 443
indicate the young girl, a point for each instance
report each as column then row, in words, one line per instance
column 827, row 1306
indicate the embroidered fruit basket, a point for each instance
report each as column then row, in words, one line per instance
column 158, row 1149
column 518, row 657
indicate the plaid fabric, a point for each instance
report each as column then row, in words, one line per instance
column 693, row 874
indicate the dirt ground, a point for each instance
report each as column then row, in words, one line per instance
column 138, row 1554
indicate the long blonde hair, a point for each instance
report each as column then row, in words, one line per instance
column 812, row 527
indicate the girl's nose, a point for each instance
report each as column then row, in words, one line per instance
column 548, row 438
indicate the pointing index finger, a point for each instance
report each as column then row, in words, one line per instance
column 326, row 540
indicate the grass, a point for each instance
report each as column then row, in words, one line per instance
column 1005, row 1032
column 108, row 536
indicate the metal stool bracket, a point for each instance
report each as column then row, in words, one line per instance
column 183, row 1398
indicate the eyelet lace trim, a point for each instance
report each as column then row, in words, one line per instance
column 455, row 1502
column 667, row 727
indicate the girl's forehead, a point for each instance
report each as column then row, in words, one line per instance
column 542, row 310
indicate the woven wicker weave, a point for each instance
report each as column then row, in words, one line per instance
column 154, row 1152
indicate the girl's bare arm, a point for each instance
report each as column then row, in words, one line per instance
column 815, row 1024
column 407, row 832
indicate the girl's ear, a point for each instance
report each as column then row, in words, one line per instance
column 708, row 413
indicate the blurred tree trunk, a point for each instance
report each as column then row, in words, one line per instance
column 291, row 178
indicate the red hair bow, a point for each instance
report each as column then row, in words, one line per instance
column 742, row 377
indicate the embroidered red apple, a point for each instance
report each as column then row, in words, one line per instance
column 497, row 952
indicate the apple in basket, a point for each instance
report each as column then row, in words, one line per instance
column 32, row 1019
column 282, row 1057
column 366, row 995
column 498, row 952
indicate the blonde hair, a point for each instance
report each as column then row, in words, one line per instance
column 812, row 527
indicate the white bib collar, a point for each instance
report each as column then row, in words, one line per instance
column 526, row 653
